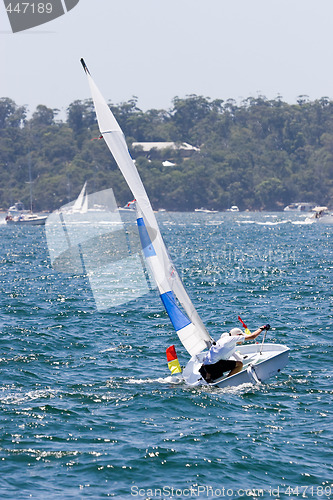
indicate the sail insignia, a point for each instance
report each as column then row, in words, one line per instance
column 177, row 317
column 146, row 243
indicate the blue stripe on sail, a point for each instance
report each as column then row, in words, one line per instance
column 177, row 317
column 146, row 243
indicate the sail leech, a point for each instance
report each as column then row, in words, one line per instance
column 189, row 326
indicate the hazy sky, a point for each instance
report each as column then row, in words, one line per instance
column 158, row 49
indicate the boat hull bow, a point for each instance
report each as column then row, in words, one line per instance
column 259, row 364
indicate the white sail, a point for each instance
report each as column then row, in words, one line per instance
column 190, row 328
column 80, row 199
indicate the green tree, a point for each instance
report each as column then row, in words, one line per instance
column 43, row 116
column 11, row 115
column 259, row 154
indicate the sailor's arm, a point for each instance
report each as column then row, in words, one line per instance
column 255, row 334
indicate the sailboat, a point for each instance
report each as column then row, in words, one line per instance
column 259, row 365
column 17, row 215
column 80, row 205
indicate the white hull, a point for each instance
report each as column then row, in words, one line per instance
column 259, row 365
column 205, row 211
column 28, row 220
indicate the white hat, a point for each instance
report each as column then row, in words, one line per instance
column 236, row 331
column 225, row 334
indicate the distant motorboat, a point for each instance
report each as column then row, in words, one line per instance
column 234, row 208
column 320, row 214
column 28, row 219
column 17, row 215
column 205, row 210
column 16, row 209
column 300, row 207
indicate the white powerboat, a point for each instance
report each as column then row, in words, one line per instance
column 320, row 214
column 205, row 211
column 17, row 215
column 27, row 220
column 300, row 207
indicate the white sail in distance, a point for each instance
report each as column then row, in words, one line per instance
column 80, row 199
column 190, row 329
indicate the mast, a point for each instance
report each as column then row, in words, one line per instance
column 189, row 326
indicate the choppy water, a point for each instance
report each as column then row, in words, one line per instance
column 87, row 410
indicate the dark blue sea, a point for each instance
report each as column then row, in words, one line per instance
column 88, row 410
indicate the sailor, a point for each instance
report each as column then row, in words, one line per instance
column 217, row 362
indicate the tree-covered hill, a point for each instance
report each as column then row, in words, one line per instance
column 260, row 154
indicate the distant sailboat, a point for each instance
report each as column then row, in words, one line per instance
column 81, row 203
column 129, row 206
column 17, row 215
column 24, row 217
column 260, row 363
